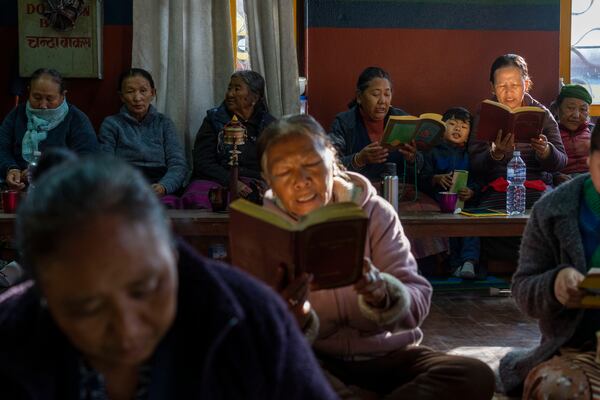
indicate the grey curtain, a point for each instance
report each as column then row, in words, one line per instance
column 186, row 45
column 273, row 52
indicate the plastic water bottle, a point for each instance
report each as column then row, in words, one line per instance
column 390, row 184
column 516, row 172
column 303, row 104
column 32, row 166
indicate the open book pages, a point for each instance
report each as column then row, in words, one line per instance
column 426, row 130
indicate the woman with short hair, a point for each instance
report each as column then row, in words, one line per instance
column 117, row 309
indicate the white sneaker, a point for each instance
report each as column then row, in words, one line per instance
column 467, row 271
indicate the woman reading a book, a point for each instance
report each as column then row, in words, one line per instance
column 367, row 331
column 357, row 133
column 118, row 309
column 560, row 245
column 544, row 154
column 244, row 100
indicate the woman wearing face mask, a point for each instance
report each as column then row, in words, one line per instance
column 145, row 138
column 46, row 120
column 244, row 99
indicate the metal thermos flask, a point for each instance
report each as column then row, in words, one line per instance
column 390, row 184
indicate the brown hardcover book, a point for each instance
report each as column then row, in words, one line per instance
column 591, row 284
column 328, row 243
column 427, row 130
column 524, row 123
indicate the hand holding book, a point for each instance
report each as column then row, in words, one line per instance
column 372, row 286
column 523, row 123
column 567, row 287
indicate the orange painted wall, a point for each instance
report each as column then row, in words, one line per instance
column 432, row 70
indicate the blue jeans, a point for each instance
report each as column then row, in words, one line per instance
column 463, row 249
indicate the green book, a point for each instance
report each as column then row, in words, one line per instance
column 460, row 178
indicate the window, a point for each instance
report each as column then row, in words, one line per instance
column 580, row 46
column 239, row 31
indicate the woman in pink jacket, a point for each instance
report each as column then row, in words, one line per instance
column 368, row 334
column 573, row 103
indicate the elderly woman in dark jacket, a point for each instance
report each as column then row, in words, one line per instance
column 560, row 244
column 357, row 133
column 244, row 99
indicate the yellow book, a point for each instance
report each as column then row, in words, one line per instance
column 328, row 242
column 591, row 284
column 482, row 212
column 427, row 130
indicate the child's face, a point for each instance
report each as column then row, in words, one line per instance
column 457, row 131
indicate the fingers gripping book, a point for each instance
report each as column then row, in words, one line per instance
column 328, row 243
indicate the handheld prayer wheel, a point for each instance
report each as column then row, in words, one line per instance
column 234, row 134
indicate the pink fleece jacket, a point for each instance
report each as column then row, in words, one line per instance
column 349, row 327
column 577, row 146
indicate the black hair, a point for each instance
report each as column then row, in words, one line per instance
column 300, row 124
column 72, row 195
column 131, row 72
column 459, row 113
column 365, row 78
column 51, row 158
column 509, row 60
column 595, row 139
column 53, row 74
column 255, row 82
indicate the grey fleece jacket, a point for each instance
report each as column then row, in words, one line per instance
column 153, row 143
column 551, row 242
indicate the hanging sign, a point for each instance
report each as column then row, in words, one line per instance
column 62, row 34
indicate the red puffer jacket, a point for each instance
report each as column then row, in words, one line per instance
column 577, row 146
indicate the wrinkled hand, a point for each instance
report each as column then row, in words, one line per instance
column 159, row 189
column 15, row 178
column 409, row 151
column 373, row 153
column 561, row 178
column 503, row 144
column 465, row 194
column 243, row 189
column 371, row 285
column 566, row 287
column 295, row 294
column 541, row 146
column 443, row 180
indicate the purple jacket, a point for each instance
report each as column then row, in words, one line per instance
column 349, row 327
column 486, row 169
column 232, row 339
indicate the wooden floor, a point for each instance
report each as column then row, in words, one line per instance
column 478, row 325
